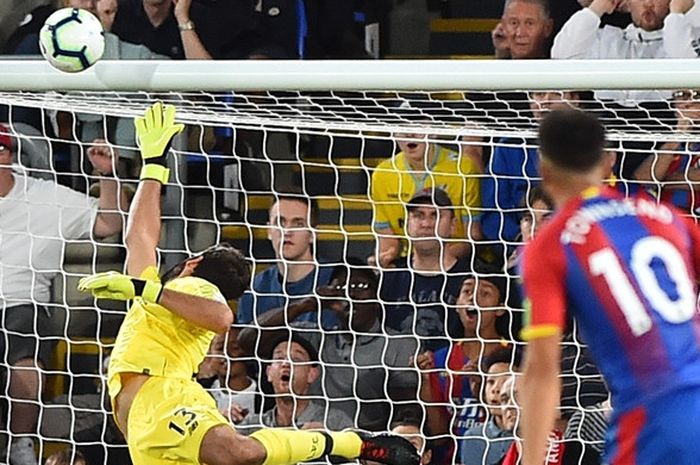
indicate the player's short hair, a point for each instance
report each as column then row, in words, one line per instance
column 296, row 194
column 223, row 265
column 544, row 4
column 572, row 139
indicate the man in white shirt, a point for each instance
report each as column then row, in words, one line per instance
column 660, row 29
column 36, row 218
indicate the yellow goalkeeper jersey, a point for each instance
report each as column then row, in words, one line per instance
column 394, row 183
column 154, row 341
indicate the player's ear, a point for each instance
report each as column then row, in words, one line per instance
column 267, row 373
column 313, row 375
column 191, row 265
column 427, row 457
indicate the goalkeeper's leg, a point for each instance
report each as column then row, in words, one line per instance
column 275, row 446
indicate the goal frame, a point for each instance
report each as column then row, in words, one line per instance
column 340, row 75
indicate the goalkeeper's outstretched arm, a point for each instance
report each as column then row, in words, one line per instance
column 154, row 131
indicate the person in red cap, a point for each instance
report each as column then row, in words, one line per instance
column 36, row 218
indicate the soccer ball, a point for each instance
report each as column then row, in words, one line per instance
column 72, row 40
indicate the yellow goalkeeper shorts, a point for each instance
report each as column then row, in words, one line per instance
column 168, row 420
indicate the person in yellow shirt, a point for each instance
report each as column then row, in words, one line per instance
column 164, row 414
column 420, row 165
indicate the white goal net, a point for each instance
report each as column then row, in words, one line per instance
column 397, row 344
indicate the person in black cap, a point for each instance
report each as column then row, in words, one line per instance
column 292, row 370
column 419, row 286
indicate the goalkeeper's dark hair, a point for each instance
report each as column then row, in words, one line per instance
column 572, row 140
column 223, row 265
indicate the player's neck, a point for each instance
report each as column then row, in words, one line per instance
column 287, row 407
column 571, row 187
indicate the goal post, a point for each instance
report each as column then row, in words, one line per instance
column 256, row 127
column 404, row 75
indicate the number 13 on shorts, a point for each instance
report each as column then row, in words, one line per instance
column 183, row 422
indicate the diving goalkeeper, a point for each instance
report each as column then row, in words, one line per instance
column 166, row 417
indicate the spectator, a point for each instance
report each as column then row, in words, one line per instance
column 36, row 217
column 106, row 11
column 180, row 29
column 30, row 24
column 66, row 457
column 486, row 443
column 659, row 29
column 150, row 23
column 366, row 373
column 26, row 39
column 455, row 406
column 220, row 30
column 292, row 371
column 224, row 374
column 562, row 10
column 409, row 426
column 419, row 165
column 559, row 452
column 86, row 419
column 674, row 170
column 296, row 272
column 512, row 172
column 418, row 288
column 525, row 30
column 472, row 147
column 511, row 412
column 582, row 386
column 310, row 29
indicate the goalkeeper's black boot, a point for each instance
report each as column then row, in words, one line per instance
column 388, row 449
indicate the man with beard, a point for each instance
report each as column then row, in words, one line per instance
column 659, row 29
column 421, row 285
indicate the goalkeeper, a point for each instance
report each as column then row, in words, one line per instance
column 166, row 417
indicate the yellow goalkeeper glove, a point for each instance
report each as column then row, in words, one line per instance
column 118, row 286
column 155, row 131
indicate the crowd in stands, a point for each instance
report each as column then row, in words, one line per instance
column 420, row 338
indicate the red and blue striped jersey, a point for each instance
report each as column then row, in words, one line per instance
column 626, row 269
